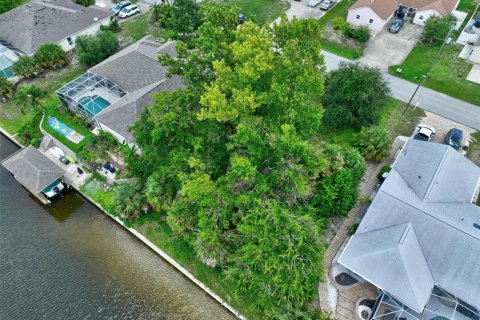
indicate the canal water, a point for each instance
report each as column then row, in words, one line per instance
column 69, row 261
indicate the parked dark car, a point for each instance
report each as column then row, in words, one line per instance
column 119, row 6
column 64, row 160
column 454, row 138
column 109, row 167
column 396, row 25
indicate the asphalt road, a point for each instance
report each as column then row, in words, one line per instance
column 427, row 99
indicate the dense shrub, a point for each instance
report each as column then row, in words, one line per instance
column 25, row 66
column 50, row 55
column 355, row 96
column 112, row 26
column 373, row 143
column 337, row 192
column 6, row 89
column 361, row 34
column 436, row 29
column 338, row 23
column 85, row 3
column 91, row 50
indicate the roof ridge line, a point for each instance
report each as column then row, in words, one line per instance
column 437, row 172
column 431, row 215
column 412, row 229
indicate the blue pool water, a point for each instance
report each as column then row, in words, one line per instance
column 93, row 104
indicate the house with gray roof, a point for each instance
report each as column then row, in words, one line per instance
column 419, row 242
column 114, row 93
column 36, row 22
column 36, row 172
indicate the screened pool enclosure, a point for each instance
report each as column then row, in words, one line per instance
column 8, row 56
column 441, row 306
column 89, row 94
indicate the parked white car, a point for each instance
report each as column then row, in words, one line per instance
column 423, row 132
column 129, row 11
column 314, row 3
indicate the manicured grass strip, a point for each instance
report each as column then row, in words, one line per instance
column 448, row 74
column 467, row 5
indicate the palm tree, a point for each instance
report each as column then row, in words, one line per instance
column 30, row 96
column 6, row 88
column 156, row 9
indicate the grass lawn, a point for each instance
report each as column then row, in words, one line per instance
column 391, row 119
column 94, row 189
column 448, row 74
column 138, row 27
column 70, row 120
column 467, row 5
column 341, row 49
column 338, row 48
column 12, row 119
column 261, row 11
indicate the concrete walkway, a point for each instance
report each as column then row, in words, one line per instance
column 428, row 99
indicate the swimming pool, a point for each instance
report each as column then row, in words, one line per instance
column 93, row 104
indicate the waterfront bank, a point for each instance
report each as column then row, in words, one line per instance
column 66, row 210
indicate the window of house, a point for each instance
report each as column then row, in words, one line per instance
column 357, row 16
column 421, row 17
column 69, row 39
column 370, row 21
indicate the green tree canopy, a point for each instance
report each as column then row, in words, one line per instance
column 183, row 17
column 230, row 157
column 91, row 50
column 355, row 96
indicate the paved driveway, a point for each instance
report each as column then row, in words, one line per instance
column 300, row 9
column 388, row 49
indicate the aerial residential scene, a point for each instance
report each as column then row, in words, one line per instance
column 240, row 159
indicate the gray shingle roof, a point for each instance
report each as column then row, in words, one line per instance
column 397, row 250
column 136, row 66
column 30, row 25
column 121, row 115
column 136, row 69
column 438, row 206
column 33, row 169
